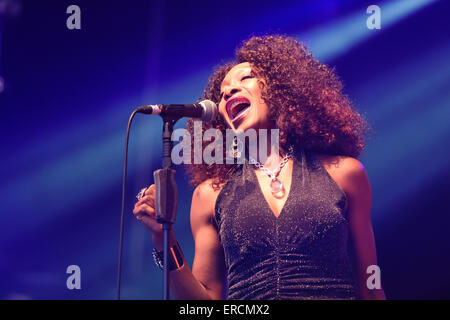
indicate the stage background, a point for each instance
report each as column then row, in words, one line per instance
column 66, row 95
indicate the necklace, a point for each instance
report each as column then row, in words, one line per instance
column 275, row 184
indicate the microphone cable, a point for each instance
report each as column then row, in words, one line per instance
column 122, row 215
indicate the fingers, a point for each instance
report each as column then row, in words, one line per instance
column 148, row 197
column 147, row 215
column 150, row 190
column 144, row 209
column 150, row 200
column 150, row 223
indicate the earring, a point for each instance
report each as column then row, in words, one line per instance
column 234, row 152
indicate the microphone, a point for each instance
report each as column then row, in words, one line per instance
column 205, row 110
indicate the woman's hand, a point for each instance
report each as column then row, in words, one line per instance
column 144, row 211
column 207, row 281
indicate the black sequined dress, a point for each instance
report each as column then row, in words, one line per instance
column 302, row 254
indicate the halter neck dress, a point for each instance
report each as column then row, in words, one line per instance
column 301, row 254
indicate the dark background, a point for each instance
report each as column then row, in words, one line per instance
column 67, row 95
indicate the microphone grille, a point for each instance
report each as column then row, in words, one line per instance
column 209, row 110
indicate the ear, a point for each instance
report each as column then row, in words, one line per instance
column 262, row 84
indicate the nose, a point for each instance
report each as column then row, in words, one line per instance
column 230, row 91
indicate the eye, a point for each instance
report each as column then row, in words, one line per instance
column 246, row 77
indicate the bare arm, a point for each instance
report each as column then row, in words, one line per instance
column 209, row 262
column 205, row 281
column 359, row 194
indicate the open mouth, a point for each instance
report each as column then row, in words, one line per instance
column 237, row 107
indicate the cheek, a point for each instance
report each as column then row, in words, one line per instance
column 257, row 92
column 263, row 109
column 222, row 109
column 223, row 113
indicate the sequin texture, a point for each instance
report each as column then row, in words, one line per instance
column 302, row 254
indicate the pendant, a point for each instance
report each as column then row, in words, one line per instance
column 276, row 186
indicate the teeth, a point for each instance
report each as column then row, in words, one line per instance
column 235, row 103
column 239, row 113
column 240, row 110
column 233, row 113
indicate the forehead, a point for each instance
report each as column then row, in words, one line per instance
column 236, row 71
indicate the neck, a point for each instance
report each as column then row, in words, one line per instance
column 274, row 152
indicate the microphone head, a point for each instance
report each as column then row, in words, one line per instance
column 209, row 110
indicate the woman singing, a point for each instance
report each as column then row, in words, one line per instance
column 292, row 225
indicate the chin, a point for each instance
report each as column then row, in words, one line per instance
column 243, row 126
column 247, row 124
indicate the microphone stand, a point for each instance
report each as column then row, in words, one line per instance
column 166, row 200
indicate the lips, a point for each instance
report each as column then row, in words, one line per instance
column 236, row 107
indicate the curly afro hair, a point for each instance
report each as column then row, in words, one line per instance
column 305, row 102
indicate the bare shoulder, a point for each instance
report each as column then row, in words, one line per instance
column 342, row 166
column 205, row 192
column 203, row 202
column 349, row 173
